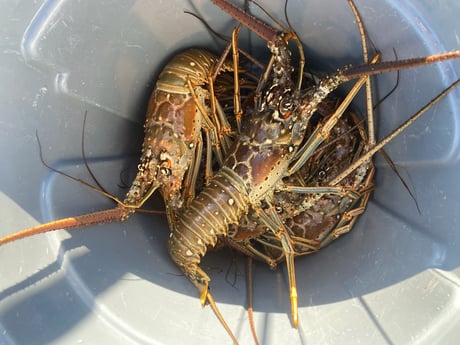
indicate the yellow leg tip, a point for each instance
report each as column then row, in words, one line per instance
column 204, row 298
column 294, row 308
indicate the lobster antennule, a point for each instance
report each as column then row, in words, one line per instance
column 105, row 216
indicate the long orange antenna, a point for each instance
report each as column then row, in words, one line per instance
column 106, row 216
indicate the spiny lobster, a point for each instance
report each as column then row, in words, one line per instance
column 178, row 110
column 269, row 148
column 182, row 106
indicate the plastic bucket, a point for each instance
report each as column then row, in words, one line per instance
column 392, row 280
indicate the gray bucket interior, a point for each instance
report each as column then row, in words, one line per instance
column 394, row 279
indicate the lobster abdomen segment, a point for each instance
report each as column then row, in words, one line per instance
column 221, row 203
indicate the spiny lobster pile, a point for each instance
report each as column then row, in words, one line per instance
column 280, row 174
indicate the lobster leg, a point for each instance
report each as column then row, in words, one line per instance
column 369, row 102
column 201, row 281
column 275, row 224
column 238, row 112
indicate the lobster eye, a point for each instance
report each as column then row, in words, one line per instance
column 285, row 106
column 165, row 171
column 165, row 164
column 165, row 167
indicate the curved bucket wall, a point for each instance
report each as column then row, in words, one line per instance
column 393, row 280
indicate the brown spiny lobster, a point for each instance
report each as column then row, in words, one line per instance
column 181, row 108
column 178, row 110
column 269, row 148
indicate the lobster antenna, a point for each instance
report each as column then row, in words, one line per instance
column 208, row 27
column 260, row 28
column 83, row 154
column 389, row 66
column 393, row 89
column 86, row 184
column 98, row 217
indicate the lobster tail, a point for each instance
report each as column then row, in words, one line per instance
column 221, row 203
